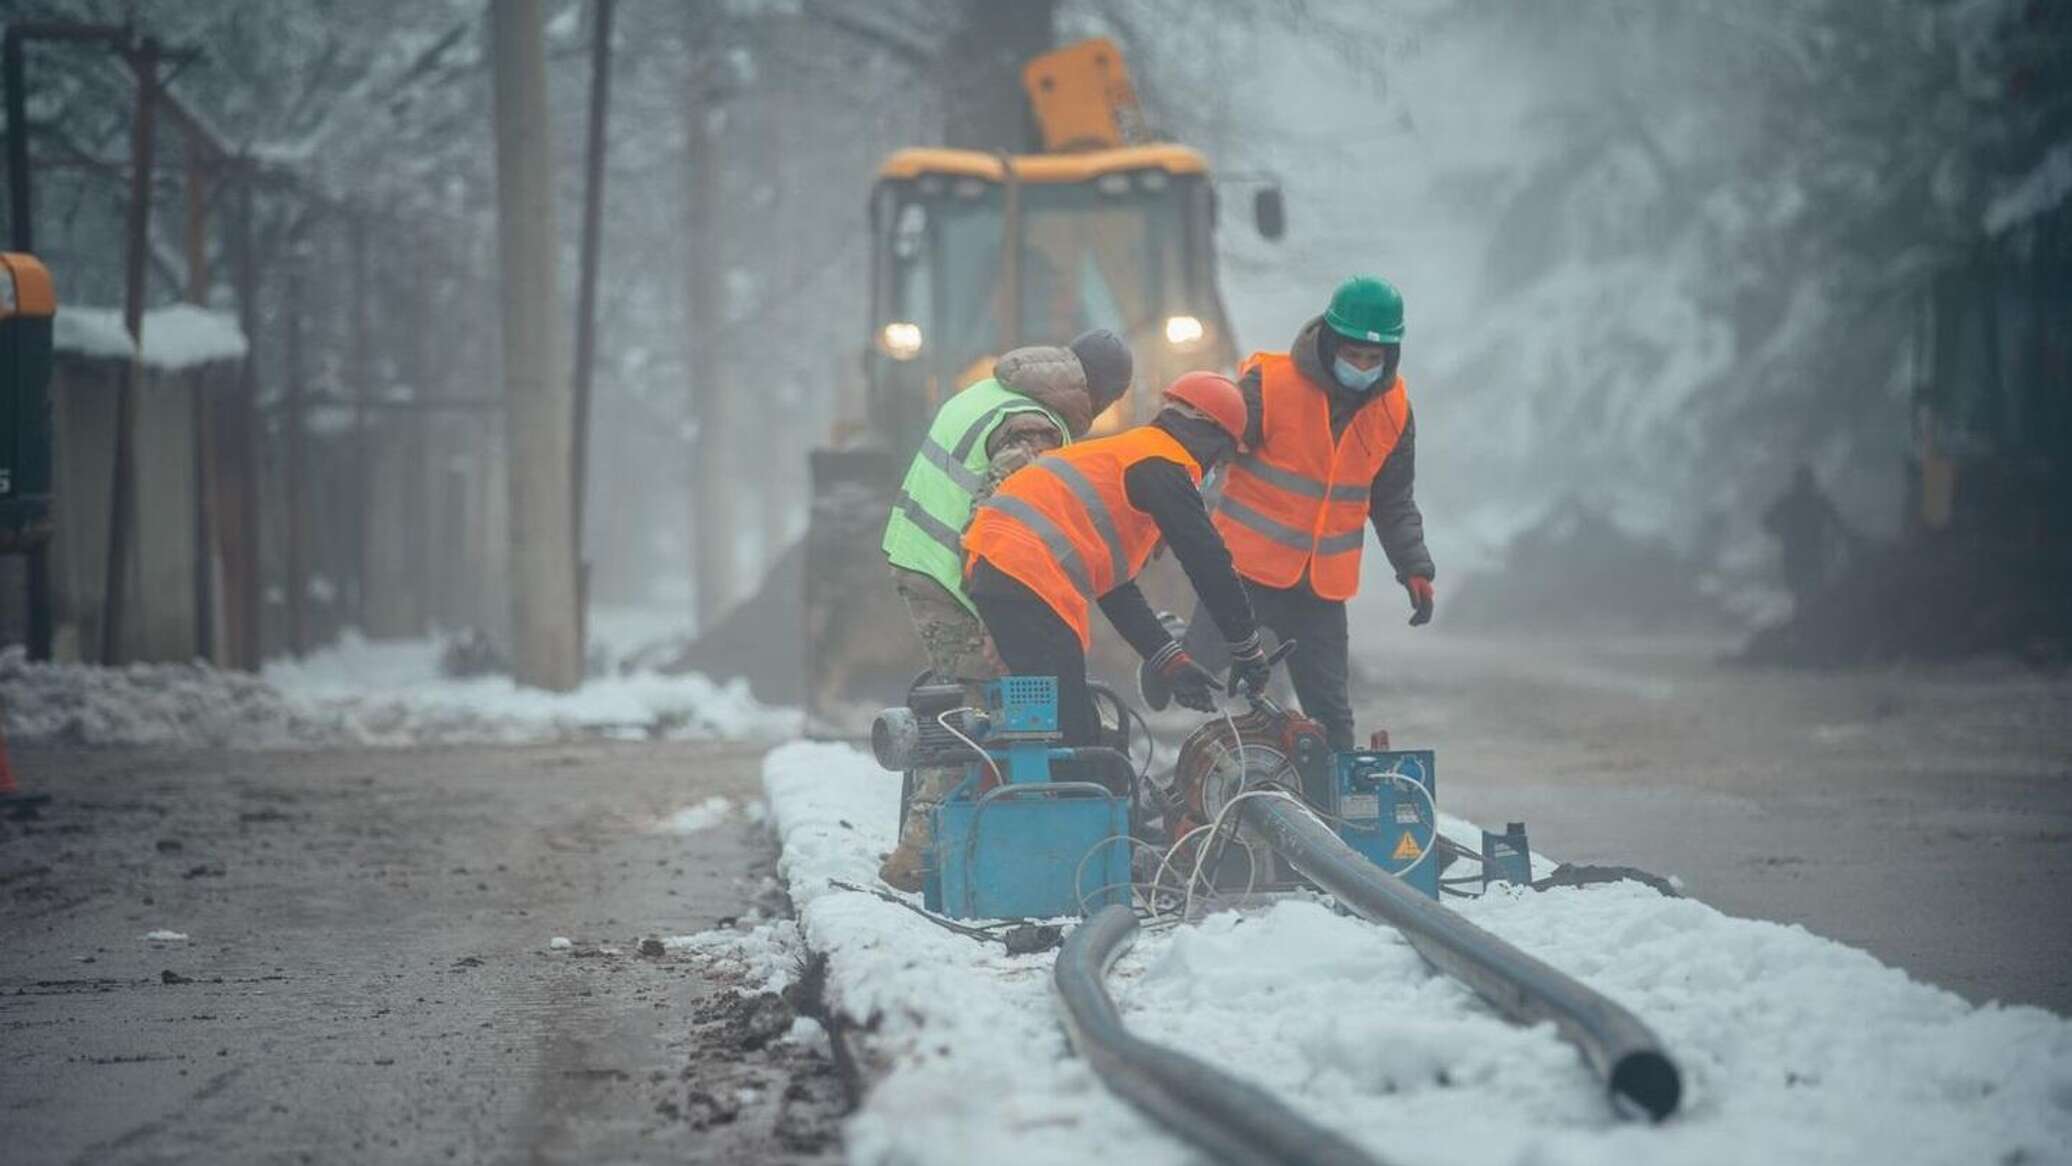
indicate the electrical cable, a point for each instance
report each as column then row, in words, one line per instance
column 943, row 718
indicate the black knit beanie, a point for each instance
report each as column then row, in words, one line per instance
column 1108, row 366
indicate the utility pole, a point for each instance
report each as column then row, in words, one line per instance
column 298, row 573
column 360, row 370
column 712, row 497
column 196, row 197
column 121, row 501
column 242, row 614
column 586, row 291
column 544, row 637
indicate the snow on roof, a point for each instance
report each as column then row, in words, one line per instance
column 175, row 338
column 2039, row 192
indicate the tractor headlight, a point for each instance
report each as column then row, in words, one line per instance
column 900, row 339
column 1183, row 331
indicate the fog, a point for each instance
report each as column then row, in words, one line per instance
column 1656, row 257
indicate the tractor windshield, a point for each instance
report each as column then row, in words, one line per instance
column 1103, row 254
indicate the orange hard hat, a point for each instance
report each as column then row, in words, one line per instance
column 1215, row 395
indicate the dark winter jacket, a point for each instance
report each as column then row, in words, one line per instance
column 1391, row 499
column 1162, row 489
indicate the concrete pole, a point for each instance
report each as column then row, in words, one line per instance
column 712, row 482
column 544, row 630
column 121, row 499
column 207, row 643
column 586, row 284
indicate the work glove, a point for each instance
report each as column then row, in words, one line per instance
column 1421, row 600
column 1172, row 673
column 1249, row 671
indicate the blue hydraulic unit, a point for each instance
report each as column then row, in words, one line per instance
column 1385, row 805
column 1019, row 837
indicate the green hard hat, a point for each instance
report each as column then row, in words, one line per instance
column 1367, row 310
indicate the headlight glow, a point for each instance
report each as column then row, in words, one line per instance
column 900, row 339
column 1182, row 331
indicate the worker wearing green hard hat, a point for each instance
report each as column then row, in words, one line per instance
column 1366, row 309
column 1332, row 449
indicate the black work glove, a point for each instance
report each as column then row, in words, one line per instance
column 1189, row 683
column 1249, row 671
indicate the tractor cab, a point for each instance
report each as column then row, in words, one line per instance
column 974, row 254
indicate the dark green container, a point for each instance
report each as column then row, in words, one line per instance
column 27, row 308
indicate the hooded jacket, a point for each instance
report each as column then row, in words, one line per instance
column 1391, row 498
column 1052, row 377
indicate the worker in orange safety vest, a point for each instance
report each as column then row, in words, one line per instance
column 1330, row 448
column 1071, row 531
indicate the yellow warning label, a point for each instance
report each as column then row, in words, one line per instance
column 1407, row 850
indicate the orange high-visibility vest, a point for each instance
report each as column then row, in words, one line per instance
column 1063, row 525
column 1299, row 502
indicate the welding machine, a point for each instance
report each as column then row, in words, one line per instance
column 1382, row 802
column 1024, row 834
column 1385, row 806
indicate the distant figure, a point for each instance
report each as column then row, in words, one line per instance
column 1811, row 536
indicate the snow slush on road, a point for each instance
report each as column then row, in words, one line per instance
column 1791, row 1046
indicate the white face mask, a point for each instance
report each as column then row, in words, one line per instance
column 1355, row 378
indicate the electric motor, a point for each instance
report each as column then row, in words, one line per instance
column 912, row 737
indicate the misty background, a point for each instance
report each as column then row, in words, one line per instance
column 1656, row 256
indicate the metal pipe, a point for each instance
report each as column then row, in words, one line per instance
column 1638, row 1075
column 1228, row 1119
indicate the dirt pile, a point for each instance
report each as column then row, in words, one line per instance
column 1579, row 568
column 1932, row 599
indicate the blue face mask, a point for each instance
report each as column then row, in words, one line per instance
column 1357, row 379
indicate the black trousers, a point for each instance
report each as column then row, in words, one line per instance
column 1034, row 641
column 1318, row 668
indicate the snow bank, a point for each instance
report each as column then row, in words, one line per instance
column 1794, row 1048
column 361, row 692
column 176, row 337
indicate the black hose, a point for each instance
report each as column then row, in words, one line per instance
column 1639, row 1076
column 1228, row 1119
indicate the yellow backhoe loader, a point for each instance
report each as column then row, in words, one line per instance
column 973, row 254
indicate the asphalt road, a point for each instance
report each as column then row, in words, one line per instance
column 1922, row 814
column 368, row 976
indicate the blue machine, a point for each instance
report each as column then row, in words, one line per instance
column 1027, row 846
column 1385, row 806
column 1506, row 857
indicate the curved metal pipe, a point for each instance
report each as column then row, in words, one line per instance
column 1228, row 1119
column 1625, row 1053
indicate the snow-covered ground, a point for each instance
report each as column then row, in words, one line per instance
column 361, row 692
column 1794, row 1048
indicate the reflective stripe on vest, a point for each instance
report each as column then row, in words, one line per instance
column 1296, row 506
column 1063, row 525
column 923, row 533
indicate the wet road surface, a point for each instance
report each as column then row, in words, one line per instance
column 367, row 973
column 1922, row 814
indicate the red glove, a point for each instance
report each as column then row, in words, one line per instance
column 1421, row 599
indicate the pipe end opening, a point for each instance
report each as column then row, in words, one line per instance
column 1646, row 1084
